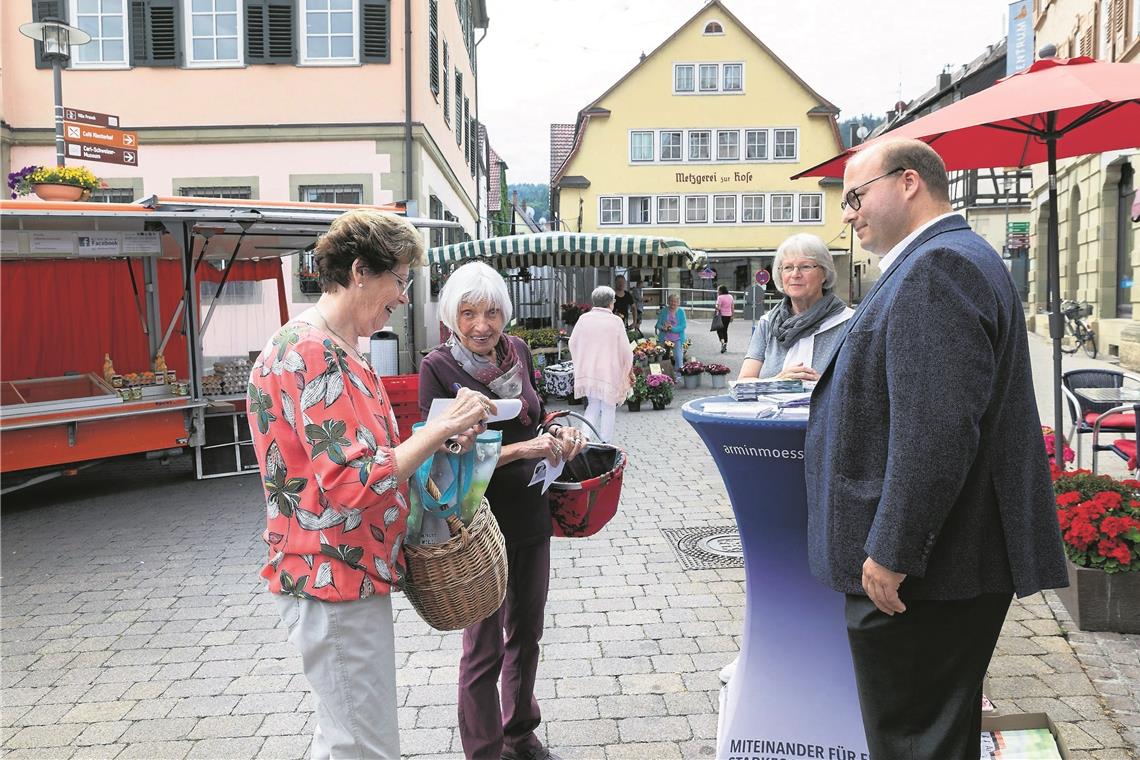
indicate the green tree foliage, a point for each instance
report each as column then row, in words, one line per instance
column 537, row 196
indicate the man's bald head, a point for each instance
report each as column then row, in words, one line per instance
column 909, row 154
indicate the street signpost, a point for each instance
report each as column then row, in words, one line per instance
column 92, row 118
column 94, row 136
column 762, row 277
column 102, row 153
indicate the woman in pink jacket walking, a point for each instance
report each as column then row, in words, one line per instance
column 724, row 307
column 603, row 359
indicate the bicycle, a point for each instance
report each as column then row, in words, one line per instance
column 1083, row 336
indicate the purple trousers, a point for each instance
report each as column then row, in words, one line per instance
column 505, row 642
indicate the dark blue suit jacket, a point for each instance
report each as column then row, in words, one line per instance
column 924, row 447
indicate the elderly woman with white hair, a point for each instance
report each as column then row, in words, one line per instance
column 603, row 359
column 794, row 341
column 475, row 306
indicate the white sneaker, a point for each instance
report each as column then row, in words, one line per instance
column 727, row 671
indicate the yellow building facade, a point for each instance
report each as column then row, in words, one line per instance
column 1096, row 194
column 698, row 142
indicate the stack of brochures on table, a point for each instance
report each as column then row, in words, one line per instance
column 1021, row 744
column 750, row 390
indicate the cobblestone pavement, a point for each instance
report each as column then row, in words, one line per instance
column 134, row 626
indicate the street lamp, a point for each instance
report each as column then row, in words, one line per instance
column 57, row 39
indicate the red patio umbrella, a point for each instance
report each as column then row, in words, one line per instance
column 1057, row 108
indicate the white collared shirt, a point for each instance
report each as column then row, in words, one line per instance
column 891, row 255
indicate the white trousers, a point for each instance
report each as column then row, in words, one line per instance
column 349, row 657
column 601, row 416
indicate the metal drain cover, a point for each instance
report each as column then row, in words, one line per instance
column 707, row 548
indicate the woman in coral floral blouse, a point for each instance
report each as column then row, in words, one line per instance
column 334, row 471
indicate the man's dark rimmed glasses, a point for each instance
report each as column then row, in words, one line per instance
column 853, row 199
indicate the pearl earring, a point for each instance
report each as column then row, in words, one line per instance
column 360, row 284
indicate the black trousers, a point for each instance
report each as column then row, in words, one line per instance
column 722, row 332
column 919, row 674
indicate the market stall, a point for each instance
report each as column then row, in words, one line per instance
column 103, row 319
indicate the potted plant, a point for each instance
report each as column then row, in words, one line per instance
column 717, row 373
column 691, row 373
column 54, row 183
column 1099, row 518
column 638, row 392
column 572, row 311
column 660, row 391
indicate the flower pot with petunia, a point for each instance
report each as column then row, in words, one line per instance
column 1099, row 518
column 54, row 183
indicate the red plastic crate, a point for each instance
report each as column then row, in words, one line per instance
column 402, row 388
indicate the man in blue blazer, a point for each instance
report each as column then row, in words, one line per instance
column 929, row 499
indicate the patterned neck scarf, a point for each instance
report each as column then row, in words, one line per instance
column 788, row 327
column 503, row 372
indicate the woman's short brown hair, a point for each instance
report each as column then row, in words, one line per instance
column 379, row 240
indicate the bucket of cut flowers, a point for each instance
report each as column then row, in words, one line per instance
column 691, row 374
column 718, row 374
column 1099, row 517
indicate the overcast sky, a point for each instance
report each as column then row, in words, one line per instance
column 543, row 60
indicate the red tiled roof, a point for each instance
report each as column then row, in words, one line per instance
column 561, row 142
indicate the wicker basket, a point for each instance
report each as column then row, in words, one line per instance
column 463, row 580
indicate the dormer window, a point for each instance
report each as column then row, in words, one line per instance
column 713, row 27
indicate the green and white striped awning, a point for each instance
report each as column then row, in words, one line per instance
column 567, row 249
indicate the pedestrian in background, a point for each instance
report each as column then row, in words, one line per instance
column 670, row 326
column 475, row 306
column 929, row 498
column 724, row 308
column 623, row 301
column 343, row 485
column 603, row 359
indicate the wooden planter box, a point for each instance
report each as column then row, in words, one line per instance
column 1100, row 601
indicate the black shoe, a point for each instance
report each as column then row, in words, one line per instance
column 723, row 347
column 534, row 753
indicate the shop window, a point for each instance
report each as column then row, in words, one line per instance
column 610, row 211
column 733, row 77
column 214, row 34
column 241, row 192
column 641, row 146
column 683, row 77
column 710, row 73
column 330, row 31
column 785, row 144
column 640, row 210
column 700, row 148
column 332, row 193
column 270, row 31
column 752, row 208
column 783, row 207
column 669, row 209
column 724, row 208
column 106, row 22
column 811, row 207
column 728, row 145
column 756, row 144
column 435, row 211
column 696, row 209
